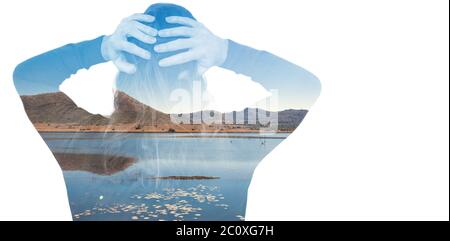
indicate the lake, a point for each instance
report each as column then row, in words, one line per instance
column 167, row 176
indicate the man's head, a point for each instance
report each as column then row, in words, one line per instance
column 150, row 77
column 160, row 11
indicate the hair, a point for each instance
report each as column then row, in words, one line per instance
column 152, row 83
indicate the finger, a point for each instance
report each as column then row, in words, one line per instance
column 124, row 66
column 141, row 36
column 176, row 32
column 175, row 45
column 133, row 49
column 183, row 21
column 142, row 18
column 145, row 29
column 181, row 58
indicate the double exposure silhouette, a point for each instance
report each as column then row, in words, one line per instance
column 142, row 162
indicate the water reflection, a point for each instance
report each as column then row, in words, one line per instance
column 100, row 164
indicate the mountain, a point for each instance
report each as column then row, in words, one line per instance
column 290, row 119
column 128, row 110
column 131, row 115
column 58, row 108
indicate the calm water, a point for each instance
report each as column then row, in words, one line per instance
column 133, row 193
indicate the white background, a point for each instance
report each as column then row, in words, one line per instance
column 374, row 147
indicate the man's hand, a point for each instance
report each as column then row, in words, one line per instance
column 201, row 45
column 113, row 46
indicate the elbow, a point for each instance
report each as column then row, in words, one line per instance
column 318, row 87
column 19, row 76
column 315, row 86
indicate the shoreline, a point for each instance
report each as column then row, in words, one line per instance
column 166, row 132
column 160, row 129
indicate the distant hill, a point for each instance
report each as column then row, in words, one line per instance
column 290, row 119
column 287, row 119
column 58, row 108
column 128, row 110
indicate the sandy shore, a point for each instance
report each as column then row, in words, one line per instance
column 127, row 128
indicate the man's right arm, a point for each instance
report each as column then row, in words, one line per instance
column 44, row 73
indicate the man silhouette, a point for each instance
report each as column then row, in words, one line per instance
column 157, row 52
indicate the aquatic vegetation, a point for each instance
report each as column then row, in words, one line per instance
column 175, row 204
